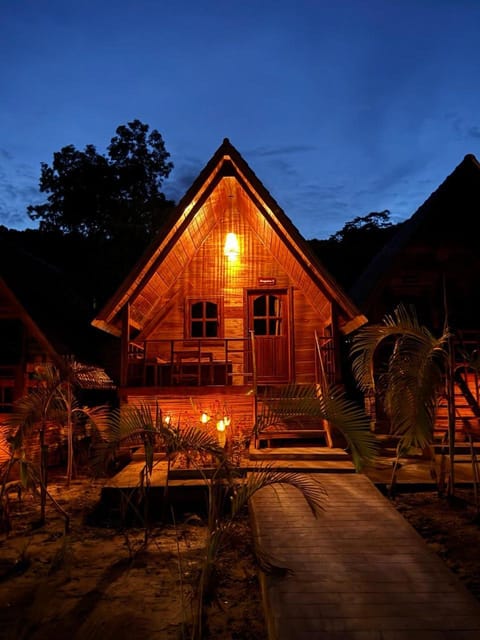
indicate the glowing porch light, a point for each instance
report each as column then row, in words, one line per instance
column 222, row 436
column 204, row 418
column 168, row 419
column 232, row 248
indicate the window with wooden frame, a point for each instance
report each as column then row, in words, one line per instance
column 203, row 318
column 267, row 315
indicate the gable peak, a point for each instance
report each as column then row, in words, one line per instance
column 471, row 158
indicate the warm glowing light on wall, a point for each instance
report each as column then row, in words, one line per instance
column 232, row 248
column 222, row 436
column 168, row 419
column 204, row 418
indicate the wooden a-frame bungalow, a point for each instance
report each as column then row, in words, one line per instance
column 433, row 264
column 432, row 261
column 42, row 322
column 228, row 295
column 27, row 345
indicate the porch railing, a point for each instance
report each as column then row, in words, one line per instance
column 8, row 375
column 215, row 362
column 191, row 362
column 325, row 361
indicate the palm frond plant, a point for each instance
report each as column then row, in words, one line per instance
column 240, row 489
column 30, row 478
column 326, row 402
column 405, row 365
column 51, row 403
column 145, row 424
column 33, row 413
column 193, row 442
column 228, row 489
column 137, row 424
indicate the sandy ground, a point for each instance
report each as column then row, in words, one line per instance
column 97, row 582
column 451, row 527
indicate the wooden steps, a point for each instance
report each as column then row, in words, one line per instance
column 296, row 452
column 289, row 437
column 332, row 458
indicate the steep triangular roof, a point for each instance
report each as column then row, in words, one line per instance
column 42, row 298
column 195, row 215
column 10, row 306
column 45, row 294
column 450, row 214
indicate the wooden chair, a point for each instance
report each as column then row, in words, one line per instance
column 187, row 367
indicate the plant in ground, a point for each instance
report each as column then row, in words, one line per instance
column 404, row 365
column 228, row 489
column 49, row 406
column 229, row 493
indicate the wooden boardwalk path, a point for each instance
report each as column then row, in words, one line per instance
column 358, row 572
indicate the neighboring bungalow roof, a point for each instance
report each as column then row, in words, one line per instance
column 226, row 162
column 450, row 213
column 16, row 309
column 43, row 298
column 44, row 293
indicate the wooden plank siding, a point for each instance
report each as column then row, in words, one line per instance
column 304, row 337
column 185, row 409
column 467, row 418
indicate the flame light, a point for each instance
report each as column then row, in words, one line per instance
column 222, row 436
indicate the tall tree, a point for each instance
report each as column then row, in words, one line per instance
column 111, row 197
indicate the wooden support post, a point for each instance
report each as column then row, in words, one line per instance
column 125, row 341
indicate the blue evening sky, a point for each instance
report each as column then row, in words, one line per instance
column 341, row 107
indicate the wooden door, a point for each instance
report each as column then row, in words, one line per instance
column 268, row 318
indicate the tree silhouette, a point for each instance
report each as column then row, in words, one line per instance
column 112, row 197
column 347, row 252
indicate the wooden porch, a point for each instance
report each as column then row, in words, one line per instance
column 169, row 363
column 224, row 362
column 206, row 380
column 239, row 407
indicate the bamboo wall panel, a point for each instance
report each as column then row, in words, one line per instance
column 308, row 320
column 227, row 209
column 210, row 274
column 187, row 410
column 196, row 268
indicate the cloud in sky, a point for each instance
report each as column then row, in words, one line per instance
column 279, row 151
column 16, row 191
column 340, row 108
